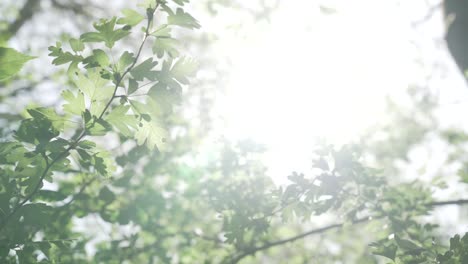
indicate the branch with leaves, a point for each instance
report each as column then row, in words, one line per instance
column 238, row 257
column 40, row 150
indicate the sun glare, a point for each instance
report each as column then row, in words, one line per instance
column 306, row 75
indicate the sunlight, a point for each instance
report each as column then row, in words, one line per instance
column 308, row 75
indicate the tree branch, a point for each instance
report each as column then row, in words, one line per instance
column 268, row 245
column 25, row 14
column 73, row 7
column 83, row 133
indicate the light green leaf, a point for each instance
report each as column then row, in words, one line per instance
column 62, row 57
column 183, row 19
column 131, row 18
column 144, row 70
column 183, row 68
column 11, row 62
column 125, row 124
column 153, row 134
column 164, row 99
column 104, row 163
column 164, row 31
column 180, row 2
column 86, row 144
column 76, row 45
column 76, row 104
column 150, row 130
column 93, row 86
column 97, row 90
column 106, row 33
column 162, row 45
column 125, row 60
column 99, row 58
column 98, row 128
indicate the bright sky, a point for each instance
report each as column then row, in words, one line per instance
column 307, row 74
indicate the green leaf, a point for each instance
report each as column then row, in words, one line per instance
column 49, row 195
column 164, row 98
column 11, row 62
column 386, row 251
column 98, row 128
column 183, row 19
column 63, row 57
column 144, row 70
column 170, row 75
column 148, row 4
column 86, row 144
column 455, row 242
column 76, row 45
column 183, row 68
column 99, row 58
column 163, row 31
column 103, row 163
column 406, row 245
column 106, row 195
column 131, row 18
column 106, row 33
column 165, row 45
column 36, row 214
column 75, row 104
column 96, row 89
column 150, row 131
column 125, row 60
column 58, row 145
column 180, row 2
column 132, row 85
column 125, row 124
column 49, row 114
column 37, row 130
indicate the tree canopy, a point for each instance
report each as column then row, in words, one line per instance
column 111, row 172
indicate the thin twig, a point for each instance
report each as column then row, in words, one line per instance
column 268, row 245
column 25, row 14
column 83, row 133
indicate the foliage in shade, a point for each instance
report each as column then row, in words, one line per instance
column 119, row 150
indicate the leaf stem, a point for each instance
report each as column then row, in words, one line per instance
column 83, row 133
column 268, row 245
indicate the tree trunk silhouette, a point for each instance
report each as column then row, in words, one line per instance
column 456, row 19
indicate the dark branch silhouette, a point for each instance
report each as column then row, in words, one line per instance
column 456, row 22
column 268, row 245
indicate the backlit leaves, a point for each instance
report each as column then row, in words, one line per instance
column 124, row 123
column 183, row 19
column 48, row 144
column 144, row 70
column 153, row 133
column 11, row 62
column 131, row 18
column 75, row 103
column 124, row 61
column 76, row 45
column 62, row 57
column 150, row 131
column 172, row 74
column 98, row 59
column 183, row 69
column 105, row 33
column 96, row 89
column 165, row 45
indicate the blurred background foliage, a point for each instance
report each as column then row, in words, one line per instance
column 210, row 199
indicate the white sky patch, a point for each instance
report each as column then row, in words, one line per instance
column 308, row 75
